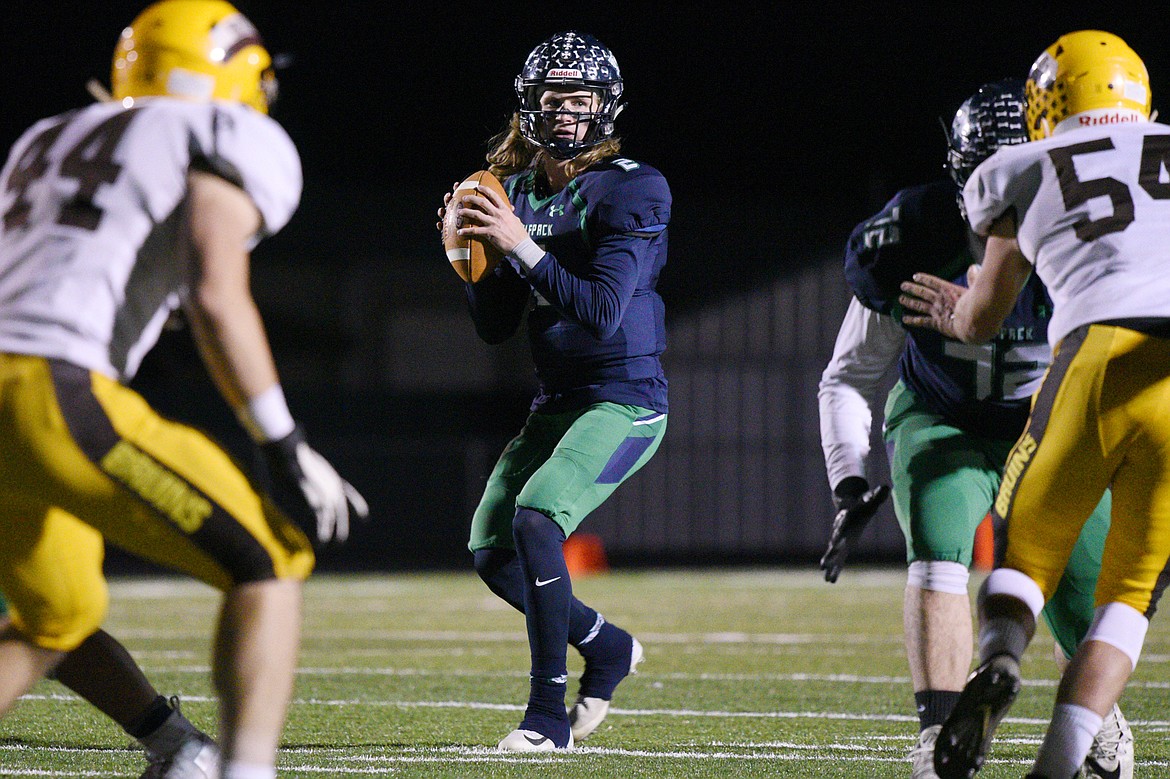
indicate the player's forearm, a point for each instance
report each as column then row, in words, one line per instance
column 596, row 301
column 234, row 346
column 846, row 421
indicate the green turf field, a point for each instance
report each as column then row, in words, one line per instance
column 747, row 674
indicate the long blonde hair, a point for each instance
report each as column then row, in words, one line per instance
column 513, row 153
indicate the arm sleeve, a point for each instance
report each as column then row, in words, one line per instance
column 496, row 303
column 629, row 219
column 596, row 300
column 868, row 344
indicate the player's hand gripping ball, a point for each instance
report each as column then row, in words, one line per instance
column 471, row 258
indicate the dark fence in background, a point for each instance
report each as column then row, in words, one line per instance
column 382, row 365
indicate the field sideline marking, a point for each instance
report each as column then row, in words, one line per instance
column 483, row 754
column 672, row 676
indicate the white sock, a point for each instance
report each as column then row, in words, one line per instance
column 1068, row 740
column 240, row 770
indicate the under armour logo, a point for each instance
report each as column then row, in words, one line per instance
column 556, row 210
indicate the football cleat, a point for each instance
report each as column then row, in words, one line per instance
column 1111, row 756
column 1083, row 71
column 922, row 754
column 966, row 736
column 530, row 741
column 587, row 713
column 198, row 758
column 196, row 50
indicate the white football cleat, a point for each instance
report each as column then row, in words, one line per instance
column 530, row 741
column 587, row 714
column 1111, row 756
column 196, row 759
column 922, row 755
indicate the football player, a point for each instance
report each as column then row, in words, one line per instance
column 585, row 237
column 1083, row 206
column 111, row 217
column 950, row 420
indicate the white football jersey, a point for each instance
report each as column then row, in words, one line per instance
column 1093, row 215
column 91, row 257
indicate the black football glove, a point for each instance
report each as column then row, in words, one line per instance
column 856, row 504
column 311, row 487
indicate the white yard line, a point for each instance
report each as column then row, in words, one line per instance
column 717, row 714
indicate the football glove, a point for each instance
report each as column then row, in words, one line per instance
column 311, row 485
column 856, row 504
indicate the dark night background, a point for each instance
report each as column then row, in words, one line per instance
column 778, row 127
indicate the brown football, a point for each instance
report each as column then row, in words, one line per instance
column 471, row 258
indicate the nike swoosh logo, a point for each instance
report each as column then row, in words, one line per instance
column 540, row 583
column 539, row 739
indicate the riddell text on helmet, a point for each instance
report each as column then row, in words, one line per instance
column 1113, row 118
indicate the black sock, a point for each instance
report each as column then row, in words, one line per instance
column 500, row 570
column 547, row 591
column 148, row 721
column 934, row 706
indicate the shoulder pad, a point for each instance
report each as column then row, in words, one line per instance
column 919, row 230
column 628, row 196
column 255, row 152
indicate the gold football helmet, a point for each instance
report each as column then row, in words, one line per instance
column 1082, row 71
column 193, row 49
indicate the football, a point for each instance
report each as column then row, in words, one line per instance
column 471, row 258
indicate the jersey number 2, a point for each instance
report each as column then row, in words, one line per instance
column 90, row 162
column 1155, row 156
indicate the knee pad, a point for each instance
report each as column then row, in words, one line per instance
column 1120, row 626
column 938, row 576
column 1009, row 581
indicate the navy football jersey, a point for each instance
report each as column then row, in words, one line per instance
column 596, row 326
column 986, row 388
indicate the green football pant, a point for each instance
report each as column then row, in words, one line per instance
column 945, row 480
column 564, row 466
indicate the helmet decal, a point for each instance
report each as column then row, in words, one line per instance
column 231, row 35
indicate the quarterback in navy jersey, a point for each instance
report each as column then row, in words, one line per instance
column 950, row 420
column 585, row 235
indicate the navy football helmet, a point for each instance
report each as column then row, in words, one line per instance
column 990, row 118
column 570, row 60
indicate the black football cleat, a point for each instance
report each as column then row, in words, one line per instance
column 966, row 736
